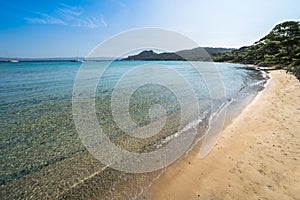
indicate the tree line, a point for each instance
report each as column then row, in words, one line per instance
column 280, row 49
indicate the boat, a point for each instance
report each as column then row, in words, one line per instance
column 13, row 61
column 79, row 60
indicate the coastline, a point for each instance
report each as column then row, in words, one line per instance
column 256, row 157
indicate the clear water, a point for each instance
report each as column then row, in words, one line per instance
column 41, row 153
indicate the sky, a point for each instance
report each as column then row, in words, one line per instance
column 53, row 28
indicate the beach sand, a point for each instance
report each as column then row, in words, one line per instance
column 256, row 157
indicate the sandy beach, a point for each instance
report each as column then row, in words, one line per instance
column 256, row 157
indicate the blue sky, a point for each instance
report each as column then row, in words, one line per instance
column 52, row 28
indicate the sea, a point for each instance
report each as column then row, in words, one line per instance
column 43, row 155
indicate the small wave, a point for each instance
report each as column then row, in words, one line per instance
column 221, row 108
column 264, row 74
column 262, row 82
column 193, row 124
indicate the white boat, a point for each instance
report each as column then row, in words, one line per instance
column 13, row 61
column 79, row 60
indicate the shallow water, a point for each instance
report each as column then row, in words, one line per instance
column 41, row 153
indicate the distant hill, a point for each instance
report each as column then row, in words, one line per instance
column 280, row 49
column 196, row 54
column 151, row 55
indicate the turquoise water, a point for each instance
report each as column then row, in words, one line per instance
column 41, row 153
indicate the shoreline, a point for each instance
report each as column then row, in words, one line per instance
column 256, row 156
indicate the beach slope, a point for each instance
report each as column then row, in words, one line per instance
column 257, row 156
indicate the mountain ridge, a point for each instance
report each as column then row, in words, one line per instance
column 195, row 54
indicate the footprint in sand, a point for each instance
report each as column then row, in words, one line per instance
column 270, row 187
column 277, row 177
column 239, row 164
column 262, row 169
column 262, row 172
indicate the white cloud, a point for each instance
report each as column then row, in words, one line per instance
column 35, row 20
column 45, row 19
column 103, row 21
column 69, row 16
column 92, row 22
column 66, row 10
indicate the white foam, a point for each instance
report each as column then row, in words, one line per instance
column 262, row 82
column 193, row 124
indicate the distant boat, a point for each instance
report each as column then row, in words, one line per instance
column 79, row 60
column 13, row 61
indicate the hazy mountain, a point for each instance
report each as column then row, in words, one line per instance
column 196, row 54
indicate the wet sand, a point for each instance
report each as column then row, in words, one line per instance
column 256, row 157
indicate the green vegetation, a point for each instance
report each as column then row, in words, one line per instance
column 279, row 49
